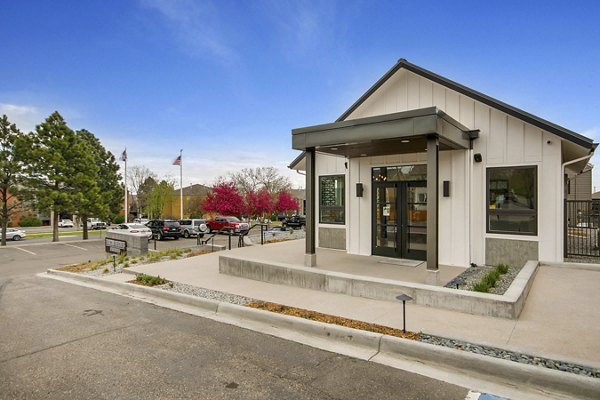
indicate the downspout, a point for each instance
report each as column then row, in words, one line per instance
column 470, row 205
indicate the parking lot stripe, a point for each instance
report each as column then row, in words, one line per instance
column 26, row 251
column 77, row 247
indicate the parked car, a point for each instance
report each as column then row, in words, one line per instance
column 164, row 228
column 95, row 223
column 65, row 223
column 295, row 221
column 232, row 223
column 14, row 234
column 139, row 229
column 193, row 227
column 142, row 221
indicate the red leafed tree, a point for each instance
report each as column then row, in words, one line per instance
column 286, row 203
column 224, row 199
column 259, row 203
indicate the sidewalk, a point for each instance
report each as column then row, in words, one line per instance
column 560, row 319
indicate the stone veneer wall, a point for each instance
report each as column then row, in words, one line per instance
column 511, row 252
column 332, row 238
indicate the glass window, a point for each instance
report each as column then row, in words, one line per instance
column 400, row 173
column 331, row 199
column 512, row 200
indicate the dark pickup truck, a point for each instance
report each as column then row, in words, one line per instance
column 295, row 221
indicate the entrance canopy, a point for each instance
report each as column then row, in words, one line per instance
column 397, row 133
column 424, row 130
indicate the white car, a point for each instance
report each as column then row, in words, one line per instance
column 138, row 229
column 14, row 234
column 65, row 223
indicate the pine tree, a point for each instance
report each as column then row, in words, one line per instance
column 10, row 167
column 57, row 168
column 100, row 193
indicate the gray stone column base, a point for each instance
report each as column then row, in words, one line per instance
column 310, row 260
column 432, row 277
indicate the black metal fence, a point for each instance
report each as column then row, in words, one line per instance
column 582, row 222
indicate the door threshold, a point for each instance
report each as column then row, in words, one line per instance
column 403, row 262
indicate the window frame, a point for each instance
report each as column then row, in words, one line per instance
column 511, row 212
column 342, row 207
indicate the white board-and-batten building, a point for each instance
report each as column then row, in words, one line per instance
column 421, row 167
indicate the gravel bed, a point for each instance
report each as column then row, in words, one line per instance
column 512, row 356
column 206, row 293
column 473, row 275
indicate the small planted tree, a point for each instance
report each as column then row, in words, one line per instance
column 286, row 203
column 224, row 198
column 259, row 203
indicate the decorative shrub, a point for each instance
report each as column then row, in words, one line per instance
column 119, row 219
column 30, row 221
column 482, row 287
column 490, row 279
column 150, row 280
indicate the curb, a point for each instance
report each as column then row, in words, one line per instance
column 373, row 346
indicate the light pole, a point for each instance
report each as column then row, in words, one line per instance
column 404, row 298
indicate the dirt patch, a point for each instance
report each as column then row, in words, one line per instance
column 332, row 319
column 88, row 266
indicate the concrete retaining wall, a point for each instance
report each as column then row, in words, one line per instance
column 508, row 306
column 137, row 245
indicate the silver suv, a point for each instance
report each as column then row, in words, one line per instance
column 193, row 227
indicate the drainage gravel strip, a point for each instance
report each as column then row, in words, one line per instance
column 436, row 340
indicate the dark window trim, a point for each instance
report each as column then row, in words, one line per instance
column 342, row 207
column 489, row 212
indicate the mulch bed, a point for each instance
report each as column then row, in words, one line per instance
column 332, row 319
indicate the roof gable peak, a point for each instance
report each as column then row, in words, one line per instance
column 475, row 95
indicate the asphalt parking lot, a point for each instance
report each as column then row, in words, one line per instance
column 37, row 255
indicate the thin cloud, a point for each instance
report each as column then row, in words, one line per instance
column 196, row 25
column 24, row 116
column 306, row 28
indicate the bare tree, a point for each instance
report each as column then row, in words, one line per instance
column 137, row 176
column 140, row 178
column 250, row 180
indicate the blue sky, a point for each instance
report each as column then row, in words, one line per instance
column 226, row 81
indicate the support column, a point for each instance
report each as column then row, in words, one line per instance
column 310, row 256
column 432, row 203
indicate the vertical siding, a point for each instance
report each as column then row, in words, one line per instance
column 496, row 144
column 515, row 140
column 532, row 148
column 503, row 141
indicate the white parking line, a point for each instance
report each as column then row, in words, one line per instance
column 77, row 247
column 26, row 251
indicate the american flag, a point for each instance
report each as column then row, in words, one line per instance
column 124, row 155
column 177, row 160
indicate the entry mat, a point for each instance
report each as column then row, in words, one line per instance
column 401, row 261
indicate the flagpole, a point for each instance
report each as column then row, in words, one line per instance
column 180, row 184
column 125, row 161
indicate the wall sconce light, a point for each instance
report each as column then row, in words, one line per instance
column 477, row 157
column 359, row 190
column 446, row 188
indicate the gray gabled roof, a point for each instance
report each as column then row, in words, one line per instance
column 490, row 101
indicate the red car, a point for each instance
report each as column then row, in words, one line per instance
column 232, row 223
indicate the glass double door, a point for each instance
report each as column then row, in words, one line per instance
column 400, row 219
